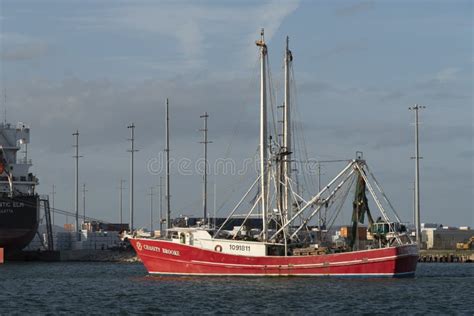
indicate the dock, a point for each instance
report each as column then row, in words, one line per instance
column 431, row 255
column 81, row 255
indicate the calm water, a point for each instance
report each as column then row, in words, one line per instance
column 107, row 288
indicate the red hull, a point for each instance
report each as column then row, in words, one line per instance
column 1, row 255
column 164, row 257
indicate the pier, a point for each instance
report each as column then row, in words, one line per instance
column 79, row 255
column 466, row 256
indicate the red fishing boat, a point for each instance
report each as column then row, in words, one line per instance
column 167, row 257
column 288, row 243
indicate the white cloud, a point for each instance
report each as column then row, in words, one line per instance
column 193, row 27
column 16, row 47
column 447, row 74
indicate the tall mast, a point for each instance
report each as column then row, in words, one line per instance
column 167, row 150
column 263, row 132
column 76, row 197
column 204, row 189
column 132, row 151
column 417, row 176
column 287, row 133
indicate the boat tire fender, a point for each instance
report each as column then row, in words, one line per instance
column 218, row 248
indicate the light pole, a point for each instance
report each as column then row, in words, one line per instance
column 132, row 151
column 204, row 189
column 417, row 158
column 76, row 156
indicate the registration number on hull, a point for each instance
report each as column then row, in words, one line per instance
column 239, row 248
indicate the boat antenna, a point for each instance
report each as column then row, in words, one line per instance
column 263, row 132
column 204, row 189
column 167, row 150
column 417, row 158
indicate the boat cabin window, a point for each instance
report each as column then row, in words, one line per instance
column 182, row 238
column 173, row 235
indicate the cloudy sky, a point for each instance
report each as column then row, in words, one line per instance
column 96, row 66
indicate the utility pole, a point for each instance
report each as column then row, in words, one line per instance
column 84, row 200
column 417, row 175
column 121, row 188
column 151, row 194
column 76, row 156
column 132, row 151
column 167, row 150
column 205, row 142
column 53, row 192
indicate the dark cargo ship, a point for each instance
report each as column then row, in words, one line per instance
column 19, row 203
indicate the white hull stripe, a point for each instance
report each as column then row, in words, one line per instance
column 305, row 266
